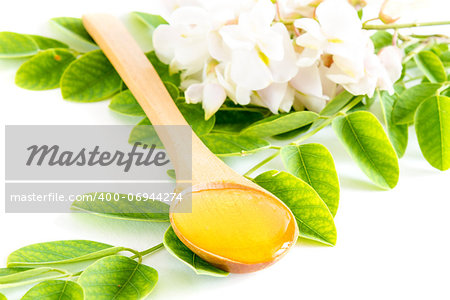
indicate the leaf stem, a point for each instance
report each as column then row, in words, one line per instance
column 137, row 254
column 252, row 109
column 406, row 25
column 313, row 132
column 152, row 249
column 148, row 251
column 329, row 120
column 416, row 51
column 262, row 163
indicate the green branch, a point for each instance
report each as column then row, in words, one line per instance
column 262, row 163
column 406, row 25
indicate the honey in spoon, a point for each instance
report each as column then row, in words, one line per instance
column 236, row 228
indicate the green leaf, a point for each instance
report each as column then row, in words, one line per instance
column 180, row 251
column 45, row 43
column 445, row 57
column 60, row 252
column 73, row 27
column 399, row 87
column 235, row 120
column 293, row 133
column 11, row 276
column 152, row 21
column 117, row 277
column 145, row 133
column 15, row 45
column 2, row 297
column 314, row 219
column 9, row 271
column 173, row 90
column 408, row 101
column 44, row 70
column 125, row 103
column 368, row 145
column 438, row 49
column 381, row 39
column 314, row 164
column 398, row 133
column 126, row 207
column 194, row 115
column 223, row 144
column 336, row 104
column 55, row 290
column 163, row 70
column 90, row 78
column 278, row 124
column 430, row 64
column 171, row 174
column 432, row 124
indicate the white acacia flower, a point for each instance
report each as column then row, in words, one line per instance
column 276, row 97
column 338, row 38
column 380, row 71
column 391, row 59
column 293, row 9
column 209, row 91
column 391, row 11
column 259, row 53
column 313, row 88
column 337, row 32
column 183, row 43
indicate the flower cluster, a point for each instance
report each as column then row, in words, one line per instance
column 291, row 53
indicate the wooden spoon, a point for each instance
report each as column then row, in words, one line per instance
column 235, row 224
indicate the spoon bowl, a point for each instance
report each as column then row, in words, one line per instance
column 233, row 223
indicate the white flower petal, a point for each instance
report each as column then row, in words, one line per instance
column 307, row 40
column 217, row 49
column 346, row 75
column 329, row 88
column 367, row 84
column 229, row 87
column 243, row 95
column 270, row 43
column 165, row 40
column 312, row 103
column 308, row 81
column 191, row 56
column 311, row 26
column 213, row 97
column 235, row 38
column 391, row 58
column 338, row 19
column 260, row 16
column 190, row 21
column 283, row 70
column 249, row 71
column 273, row 95
column 194, row 93
column 308, row 57
column 288, row 100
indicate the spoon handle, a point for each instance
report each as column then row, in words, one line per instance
column 134, row 68
column 143, row 81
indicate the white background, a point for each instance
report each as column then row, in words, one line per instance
column 391, row 244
